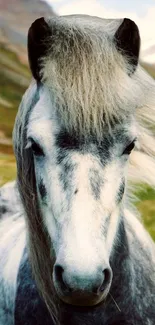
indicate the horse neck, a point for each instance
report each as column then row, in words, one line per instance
column 133, row 263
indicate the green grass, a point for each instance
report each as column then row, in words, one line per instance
column 149, row 68
column 7, row 168
column 10, row 90
column 147, row 210
column 12, row 71
column 13, row 61
column 7, row 120
column 12, row 87
column 12, row 93
column 146, row 206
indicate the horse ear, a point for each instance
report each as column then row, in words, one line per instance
column 37, row 45
column 127, row 41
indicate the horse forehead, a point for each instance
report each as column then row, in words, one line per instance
column 46, row 125
column 43, row 110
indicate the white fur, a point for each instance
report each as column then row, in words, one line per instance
column 12, row 243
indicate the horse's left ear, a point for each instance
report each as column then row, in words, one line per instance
column 127, row 41
column 38, row 35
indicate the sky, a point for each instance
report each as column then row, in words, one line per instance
column 141, row 11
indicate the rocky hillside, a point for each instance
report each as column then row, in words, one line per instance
column 16, row 16
column 149, row 67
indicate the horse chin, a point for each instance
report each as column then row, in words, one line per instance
column 83, row 301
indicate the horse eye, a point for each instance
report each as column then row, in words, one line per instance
column 37, row 150
column 129, row 148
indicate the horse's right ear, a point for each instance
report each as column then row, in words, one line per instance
column 38, row 34
column 127, row 40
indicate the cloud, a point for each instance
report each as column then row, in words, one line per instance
column 53, row 1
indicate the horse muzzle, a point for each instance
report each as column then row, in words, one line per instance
column 83, row 289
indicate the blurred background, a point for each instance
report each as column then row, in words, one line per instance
column 16, row 17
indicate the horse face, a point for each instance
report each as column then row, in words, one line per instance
column 80, row 186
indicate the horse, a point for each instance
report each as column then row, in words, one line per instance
column 73, row 249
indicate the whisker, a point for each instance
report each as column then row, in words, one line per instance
column 115, row 302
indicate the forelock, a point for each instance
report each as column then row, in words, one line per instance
column 88, row 78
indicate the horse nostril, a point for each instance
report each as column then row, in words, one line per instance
column 59, row 271
column 78, row 285
column 107, row 275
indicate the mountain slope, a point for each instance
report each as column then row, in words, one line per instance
column 16, row 16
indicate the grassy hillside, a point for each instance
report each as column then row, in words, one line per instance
column 149, row 68
column 14, row 79
column 146, row 206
